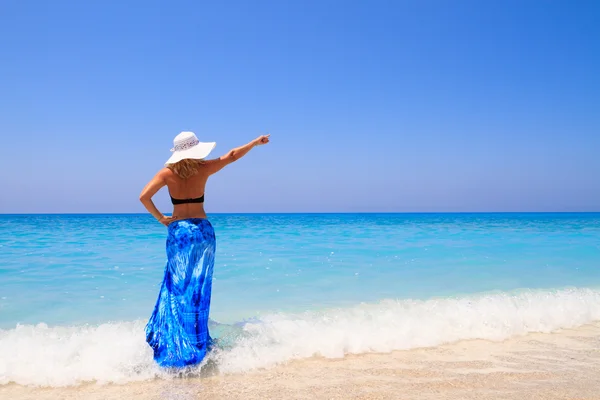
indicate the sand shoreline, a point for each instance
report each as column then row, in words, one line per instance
column 561, row 365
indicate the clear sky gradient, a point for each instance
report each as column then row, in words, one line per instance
column 372, row 106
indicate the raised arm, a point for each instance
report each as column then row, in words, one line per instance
column 235, row 154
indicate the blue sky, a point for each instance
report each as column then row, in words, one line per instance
column 372, row 106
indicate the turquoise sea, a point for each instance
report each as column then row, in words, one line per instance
column 77, row 290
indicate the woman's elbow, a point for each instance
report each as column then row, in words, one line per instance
column 144, row 197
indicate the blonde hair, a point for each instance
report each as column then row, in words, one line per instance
column 185, row 168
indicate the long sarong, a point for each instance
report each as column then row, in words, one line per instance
column 177, row 331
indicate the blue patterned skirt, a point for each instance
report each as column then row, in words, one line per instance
column 178, row 328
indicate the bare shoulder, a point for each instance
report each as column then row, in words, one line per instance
column 209, row 163
column 212, row 166
column 164, row 174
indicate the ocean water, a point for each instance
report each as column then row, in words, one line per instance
column 77, row 290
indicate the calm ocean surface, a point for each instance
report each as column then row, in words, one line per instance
column 79, row 287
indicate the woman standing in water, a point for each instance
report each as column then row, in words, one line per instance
column 178, row 328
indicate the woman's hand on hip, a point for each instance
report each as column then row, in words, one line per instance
column 165, row 220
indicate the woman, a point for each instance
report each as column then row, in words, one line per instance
column 178, row 328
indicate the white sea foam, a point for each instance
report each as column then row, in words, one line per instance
column 58, row 356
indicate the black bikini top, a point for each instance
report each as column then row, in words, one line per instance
column 184, row 201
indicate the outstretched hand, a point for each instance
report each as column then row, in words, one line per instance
column 264, row 139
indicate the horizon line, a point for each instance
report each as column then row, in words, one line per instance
column 311, row 212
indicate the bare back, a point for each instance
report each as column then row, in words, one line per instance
column 190, row 188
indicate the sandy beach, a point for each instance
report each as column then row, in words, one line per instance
column 560, row 365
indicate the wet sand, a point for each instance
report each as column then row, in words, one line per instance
column 561, row 365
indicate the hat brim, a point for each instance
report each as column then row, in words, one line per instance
column 198, row 152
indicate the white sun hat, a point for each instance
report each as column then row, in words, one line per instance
column 187, row 145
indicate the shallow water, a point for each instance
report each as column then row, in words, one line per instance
column 288, row 286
